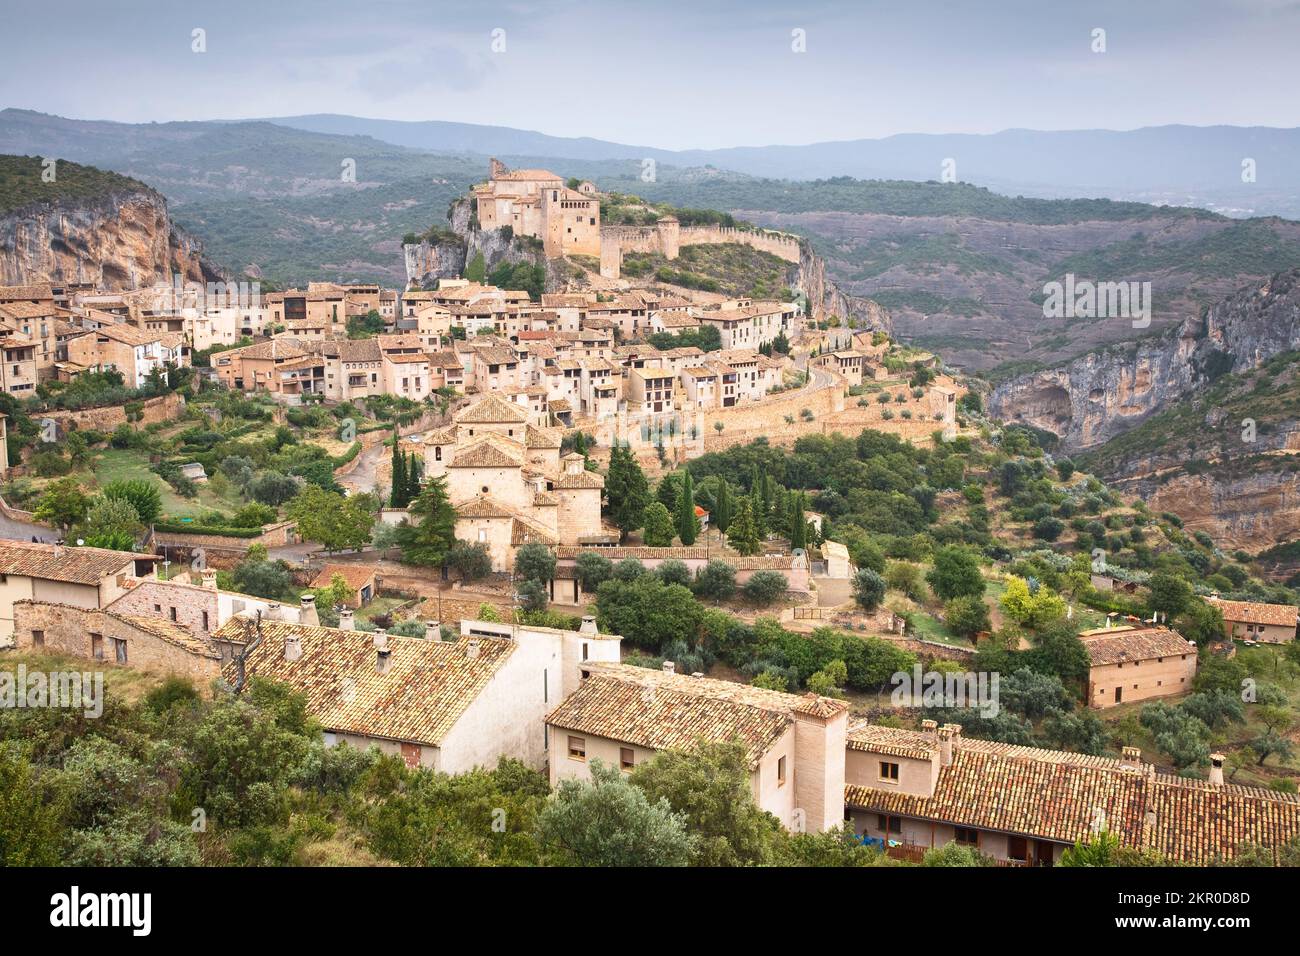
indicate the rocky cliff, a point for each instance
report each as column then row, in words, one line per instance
column 1104, row 393
column 826, row 299
column 1203, row 421
column 123, row 239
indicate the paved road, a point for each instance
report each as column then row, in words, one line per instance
column 362, row 477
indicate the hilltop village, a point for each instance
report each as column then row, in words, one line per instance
column 563, row 539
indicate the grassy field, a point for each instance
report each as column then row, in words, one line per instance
column 121, row 464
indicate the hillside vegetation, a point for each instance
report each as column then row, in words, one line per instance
column 21, row 182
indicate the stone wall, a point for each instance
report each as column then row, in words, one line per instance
column 743, row 423
column 68, row 630
column 164, row 408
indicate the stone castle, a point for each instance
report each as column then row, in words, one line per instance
column 538, row 203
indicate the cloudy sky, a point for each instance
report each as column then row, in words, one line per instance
column 667, row 73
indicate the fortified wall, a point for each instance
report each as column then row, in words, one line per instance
column 667, row 236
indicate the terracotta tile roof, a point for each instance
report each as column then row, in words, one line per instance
column 583, row 479
column 544, row 499
column 1055, row 795
column 175, row 634
column 485, row 454
column 543, row 437
column 481, row 506
column 128, row 334
column 41, row 290
column 406, row 358
column 526, row 531
column 356, row 575
column 428, row 685
column 70, row 565
column 673, row 712
column 1122, row 644
column 492, row 410
column 1250, row 612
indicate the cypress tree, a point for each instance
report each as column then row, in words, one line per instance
column 398, row 492
column 798, row 525
column 688, row 526
column 722, row 507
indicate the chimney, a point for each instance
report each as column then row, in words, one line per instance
column 928, row 727
column 272, row 612
column 309, row 616
column 956, row 736
column 945, row 745
column 292, row 647
column 208, row 577
column 383, row 660
column 381, row 639
column 1131, row 758
column 471, row 648
column 346, row 620
column 1216, row 770
column 588, row 625
column 432, row 631
column 670, row 667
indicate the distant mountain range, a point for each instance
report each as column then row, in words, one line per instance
column 1176, row 165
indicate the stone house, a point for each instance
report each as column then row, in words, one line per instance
column 916, row 790
column 1251, row 621
column 360, row 579
column 1131, row 663
column 142, row 641
column 89, row 578
column 624, row 715
column 446, row 705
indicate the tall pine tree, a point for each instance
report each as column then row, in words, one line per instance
column 432, row 531
column 626, row 490
column 742, row 535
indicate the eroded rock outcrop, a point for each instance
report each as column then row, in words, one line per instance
column 121, row 240
column 1106, row 392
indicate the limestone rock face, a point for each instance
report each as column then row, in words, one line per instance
column 123, row 240
column 1246, row 495
column 825, row 298
column 1101, row 394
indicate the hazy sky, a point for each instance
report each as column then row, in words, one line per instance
column 667, row 73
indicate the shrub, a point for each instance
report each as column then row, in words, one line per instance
column 764, row 587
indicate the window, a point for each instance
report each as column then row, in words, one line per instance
column 585, row 645
column 38, row 638
column 780, row 772
column 967, row 836
column 173, row 614
column 119, row 650
column 577, row 748
column 888, row 824
column 888, row 771
column 205, row 621
column 627, row 759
